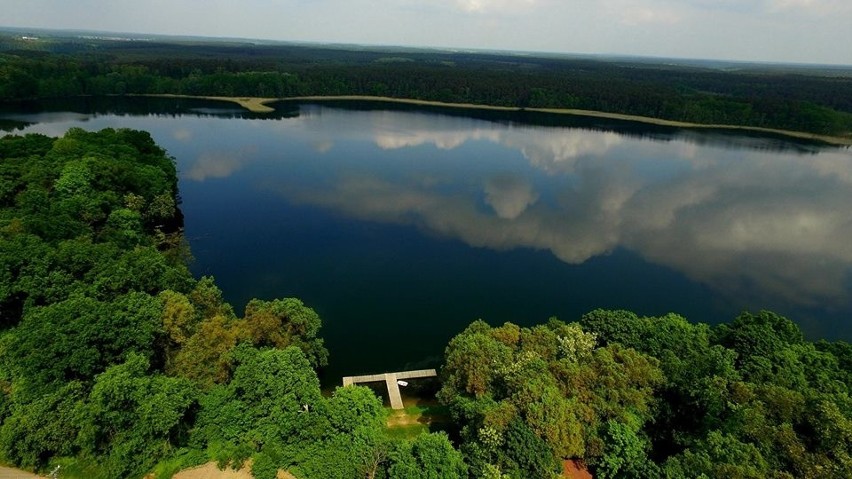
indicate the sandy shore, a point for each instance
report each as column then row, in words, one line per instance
column 260, row 105
column 252, row 104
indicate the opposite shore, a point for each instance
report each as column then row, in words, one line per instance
column 261, row 105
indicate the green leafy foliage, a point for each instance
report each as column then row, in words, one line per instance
column 80, row 337
column 115, row 362
column 547, row 389
column 134, row 416
column 285, row 322
column 648, row 397
column 429, row 456
column 106, row 341
column 45, row 427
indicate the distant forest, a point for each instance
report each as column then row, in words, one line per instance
column 815, row 100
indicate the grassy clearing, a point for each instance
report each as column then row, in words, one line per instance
column 78, row 468
column 181, row 460
column 418, row 417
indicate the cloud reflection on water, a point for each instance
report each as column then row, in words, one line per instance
column 770, row 224
column 219, row 164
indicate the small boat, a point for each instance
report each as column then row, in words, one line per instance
column 402, row 383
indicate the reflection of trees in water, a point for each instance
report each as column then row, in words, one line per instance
column 13, row 125
column 733, row 139
column 142, row 106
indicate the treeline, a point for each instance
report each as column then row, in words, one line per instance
column 651, row 397
column 796, row 101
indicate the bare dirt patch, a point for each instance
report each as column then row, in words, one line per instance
column 211, row 471
column 575, row 469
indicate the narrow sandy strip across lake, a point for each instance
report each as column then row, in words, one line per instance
column 261, row 105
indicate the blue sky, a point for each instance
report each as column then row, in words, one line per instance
column 809, row 31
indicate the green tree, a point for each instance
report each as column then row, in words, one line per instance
column 80, row 337
column 758, row 335
column 720, row 455
column 285, row 322
column 472, row 360
column 625, row 451
column 45, row 427
column 428, row 456
column 526, row 455
column 272, row 399
column 136, row 418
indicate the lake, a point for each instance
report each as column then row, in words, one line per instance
column 400, row 226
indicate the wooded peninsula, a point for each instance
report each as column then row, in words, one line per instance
column 115, row 362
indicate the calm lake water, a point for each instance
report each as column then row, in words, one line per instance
column 401, row 226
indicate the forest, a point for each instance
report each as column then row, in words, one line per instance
column 115, row 362
column 814, row 100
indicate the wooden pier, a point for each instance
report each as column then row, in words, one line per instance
column 391, row 380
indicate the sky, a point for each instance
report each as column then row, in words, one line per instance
column 797, row 31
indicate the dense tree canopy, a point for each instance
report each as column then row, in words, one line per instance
column 651, row 397
column 115, row 361
column 526, row 397
column 804, row 100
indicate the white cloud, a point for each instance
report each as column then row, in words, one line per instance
column 812, row 31
column 806, row 5
column 182, row 134
column 219, row 164
column 490, row 6
column 323, row 146
column 637, row 15
column 509, row 195
column 444, row 140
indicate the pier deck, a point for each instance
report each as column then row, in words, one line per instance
column 391, row 380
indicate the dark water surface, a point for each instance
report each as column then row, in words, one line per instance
column 400, row 226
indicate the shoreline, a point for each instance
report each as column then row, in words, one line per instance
column 261, row 105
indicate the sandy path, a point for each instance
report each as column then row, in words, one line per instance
column 210, row 471
column 10, row 473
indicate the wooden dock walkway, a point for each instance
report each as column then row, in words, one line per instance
column 391, row 380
